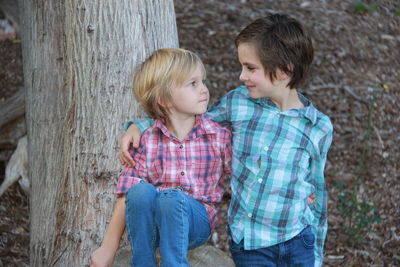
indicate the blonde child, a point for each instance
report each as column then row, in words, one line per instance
column 168, row 198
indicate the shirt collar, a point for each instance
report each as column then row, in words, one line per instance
column 201, row 127
column 308, row 111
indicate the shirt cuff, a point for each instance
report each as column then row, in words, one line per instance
column 125, row 183
column 127, row 124
column 141, row 124
column 318, row 262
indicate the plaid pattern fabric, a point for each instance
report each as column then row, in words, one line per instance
column 196, row 164
column 278, row 161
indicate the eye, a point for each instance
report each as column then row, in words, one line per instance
column 193, row 83
column 250, row 68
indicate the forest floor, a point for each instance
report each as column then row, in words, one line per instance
column 355, row 80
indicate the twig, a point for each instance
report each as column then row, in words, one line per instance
column 333, row 257
column 324, row 86
column 351, row 92
column 379, row 137
column 337, row 86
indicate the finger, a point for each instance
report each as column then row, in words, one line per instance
column 124, row 161
column 121, row 158
column 128, row 159
column 135, row 143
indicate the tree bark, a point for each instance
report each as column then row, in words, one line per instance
column 79, row 57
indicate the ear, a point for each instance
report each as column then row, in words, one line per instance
column 164, row 104
column 281, row 75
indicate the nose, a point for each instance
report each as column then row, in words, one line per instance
column 243, row 76
column 204, row 89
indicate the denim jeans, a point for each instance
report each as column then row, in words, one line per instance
column 169, row 219
column 298, row 251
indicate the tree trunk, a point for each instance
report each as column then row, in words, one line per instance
column 79, row 58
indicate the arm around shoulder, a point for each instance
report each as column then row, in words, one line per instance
column 131, row 137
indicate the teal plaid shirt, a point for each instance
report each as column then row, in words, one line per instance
column 278, row 161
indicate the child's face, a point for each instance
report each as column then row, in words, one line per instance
column 192, row 97
column 257, row 81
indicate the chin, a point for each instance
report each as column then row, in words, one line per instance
column 254, row 95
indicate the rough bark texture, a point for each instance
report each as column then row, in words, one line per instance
column 79, row 57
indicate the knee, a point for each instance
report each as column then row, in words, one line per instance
column 140, row 194
column 170, row 200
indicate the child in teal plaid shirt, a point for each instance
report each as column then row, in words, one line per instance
column 280, row 146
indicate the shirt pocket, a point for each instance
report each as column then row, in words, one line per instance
column 156, row 171
column 208, row 168
column 294, row 154
column 206, row 171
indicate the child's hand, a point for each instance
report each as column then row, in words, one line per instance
column 101, row 257
column 130, row 137
column 311, row 199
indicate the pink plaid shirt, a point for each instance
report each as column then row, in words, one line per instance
column 197, row 164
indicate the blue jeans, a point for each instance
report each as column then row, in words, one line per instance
column 298, row 251
column 169, row 219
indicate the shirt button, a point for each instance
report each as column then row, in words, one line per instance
column 182, row 173
column 266, row 148
column 181, row 146
column 259, row 180
column 249, row 215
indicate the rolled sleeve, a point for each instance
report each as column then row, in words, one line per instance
column 143, row 124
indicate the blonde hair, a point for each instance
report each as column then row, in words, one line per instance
column 156, row 77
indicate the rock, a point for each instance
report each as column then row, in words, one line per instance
column 17, row 167
column 203, row 256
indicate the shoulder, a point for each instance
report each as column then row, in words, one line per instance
column 214, row 127
column 322, row 132
column 151, row 134
column 234, row 99
column 238, row 92
column 152, row 130
column 323, row 123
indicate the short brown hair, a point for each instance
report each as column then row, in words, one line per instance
column 283, row 44
column 163, row 70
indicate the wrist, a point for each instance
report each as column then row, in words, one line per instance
column 110, row 247
column 133, row 128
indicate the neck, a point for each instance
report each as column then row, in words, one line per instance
column 287, row 99
column 180, row 126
